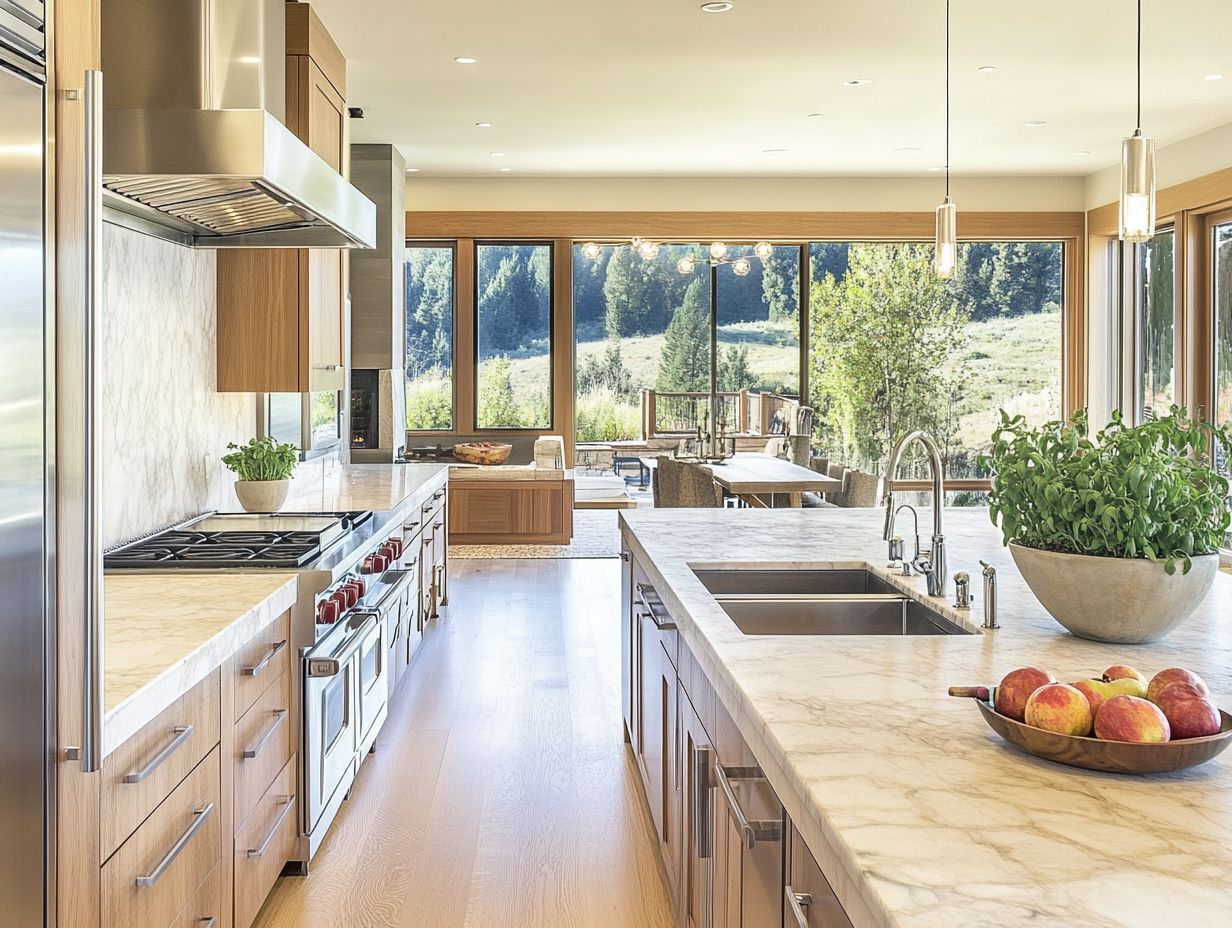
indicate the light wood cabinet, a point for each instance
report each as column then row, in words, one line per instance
column 263, row 843
column 511, row 512
column 282, row 311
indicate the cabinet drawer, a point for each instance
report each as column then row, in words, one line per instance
column 809, row 900
column 168, row 858
column 263, row 742
column 260, row 662
column 263, row 844
column 143, row 771
column 205, row 910
column 433, row 508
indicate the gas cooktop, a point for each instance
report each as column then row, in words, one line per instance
column 278, row 540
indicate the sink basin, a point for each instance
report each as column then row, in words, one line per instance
column 785, row 581
column 820, row 602
column 838, row 616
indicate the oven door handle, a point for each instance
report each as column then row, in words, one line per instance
column 395, row 591
column 331, row 665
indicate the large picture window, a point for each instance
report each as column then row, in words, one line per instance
column 1155, row 312
column 893, row 348
column 429, row 337
column 1222, row 293
column 513, row 336
column 643, row 333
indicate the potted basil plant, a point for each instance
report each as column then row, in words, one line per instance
column 264, row 467
column 1116, row 535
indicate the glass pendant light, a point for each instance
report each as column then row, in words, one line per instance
column 592, row 250
column 763, row 250
column 945, row 258
column 1138, row 172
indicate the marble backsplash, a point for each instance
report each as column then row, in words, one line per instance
column 165, row 425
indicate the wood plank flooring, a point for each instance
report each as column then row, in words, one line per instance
column 502, row 794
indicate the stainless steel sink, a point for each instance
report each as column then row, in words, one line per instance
column 821, row 602
column 786, row 581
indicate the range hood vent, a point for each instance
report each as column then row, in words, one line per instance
column 193, row 145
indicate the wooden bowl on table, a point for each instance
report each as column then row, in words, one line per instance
column 1107, row 756
column 482, row 452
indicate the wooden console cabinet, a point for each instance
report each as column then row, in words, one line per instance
column 510, row 512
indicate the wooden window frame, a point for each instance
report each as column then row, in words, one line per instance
column 453, row 360
column 465, row 229
column 550, row 244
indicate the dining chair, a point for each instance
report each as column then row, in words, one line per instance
column 863, row 490
column 698, row 489
column 666, row 483
column 842, row 474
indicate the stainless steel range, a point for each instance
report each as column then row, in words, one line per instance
column 358, row 593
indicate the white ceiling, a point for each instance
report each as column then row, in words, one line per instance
column 646, row 87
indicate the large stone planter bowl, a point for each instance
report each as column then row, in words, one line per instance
column 262, row 495
column 1119, row 600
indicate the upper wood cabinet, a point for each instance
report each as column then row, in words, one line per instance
column 282, row 311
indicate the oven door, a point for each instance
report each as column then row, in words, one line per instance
column 372, row 679
column 331, row 713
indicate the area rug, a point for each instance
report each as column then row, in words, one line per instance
column 595, row 534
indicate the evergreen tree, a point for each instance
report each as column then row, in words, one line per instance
column 497, row 406
column 780, row 284
column 684, row 364
column 828, row 258
column 734, row 373
column 608, row 373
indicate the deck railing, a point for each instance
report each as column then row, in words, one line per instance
column 672, row 413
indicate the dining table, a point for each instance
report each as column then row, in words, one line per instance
column 766, row 482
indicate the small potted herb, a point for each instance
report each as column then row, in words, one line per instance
column 264, row 468
column 1116, row 535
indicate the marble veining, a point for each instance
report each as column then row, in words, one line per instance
column 379, row 487
column 164, row 633
column 921, row 816
column 165, row 426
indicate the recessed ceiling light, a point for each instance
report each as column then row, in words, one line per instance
column 483, row 125
column 816, row 115
column 936, row 169
column 412, row 170
column 718, row 7
column 907, row 150
column 505, row 170
column 1035, row 123
column 987, row 68
column 858, row 82
column 250, row 59
column 774, row 151
column 466, row 59
column 497, row 154
column 1082, row 152
column 1213, row 77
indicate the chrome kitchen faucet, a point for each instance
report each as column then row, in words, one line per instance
column 932, row 566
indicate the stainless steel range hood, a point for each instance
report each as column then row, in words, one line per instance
column 193, row 141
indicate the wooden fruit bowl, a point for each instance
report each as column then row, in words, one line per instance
column 482, row 452
column 1107, row 756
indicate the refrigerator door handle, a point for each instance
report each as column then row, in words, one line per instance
column 91, row 751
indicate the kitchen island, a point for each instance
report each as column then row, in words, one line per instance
column 916, row 812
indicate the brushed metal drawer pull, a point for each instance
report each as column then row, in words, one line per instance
column 649, row 597
column 264, row 662
column 751, row 831
column 200, row 816
column 255, row 853
column 279, row 717
column 182, row 733
column 796, row 904
column 208, row 921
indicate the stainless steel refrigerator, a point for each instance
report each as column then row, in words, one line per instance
column 26, row 645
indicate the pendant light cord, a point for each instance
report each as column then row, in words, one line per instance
column 947, row 92
column 1139, row 121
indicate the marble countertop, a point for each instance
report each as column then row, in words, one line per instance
column 379, row 487
column 164, row 633
column 919, row 814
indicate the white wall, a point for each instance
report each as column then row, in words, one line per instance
column 165, row 427
column 799, row 194
column 1195, row 156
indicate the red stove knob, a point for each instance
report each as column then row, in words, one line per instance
column 389, row 551
column 327, row 612
column 397, row 544
column 375, row 564
column 350, row 595
column 360, row 584
column 340, row 597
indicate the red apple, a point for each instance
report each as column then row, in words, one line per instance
column 1099, row 691
column 1189, row 711
column 1129, row 718
column 1016, row 687
column 1061, row 708
column 1125, row 672
column 1174, row 675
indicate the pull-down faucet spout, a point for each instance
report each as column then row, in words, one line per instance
column 934, row 567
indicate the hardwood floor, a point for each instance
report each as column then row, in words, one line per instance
column 502, row 793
